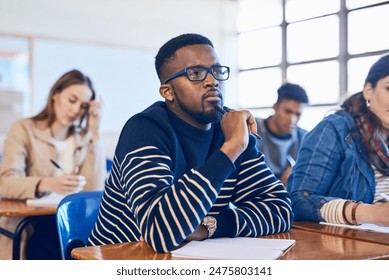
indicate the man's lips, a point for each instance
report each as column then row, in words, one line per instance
column 213, row 95
column 212, row 98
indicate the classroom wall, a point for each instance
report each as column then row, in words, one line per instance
column 114, row 42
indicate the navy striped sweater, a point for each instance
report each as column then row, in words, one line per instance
column 167, row 176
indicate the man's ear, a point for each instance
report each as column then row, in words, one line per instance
column 166, row 92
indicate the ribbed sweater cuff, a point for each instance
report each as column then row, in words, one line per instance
column 226, row 224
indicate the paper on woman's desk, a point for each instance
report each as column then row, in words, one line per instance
column 51, row 200
column 368, row 227
column 239, row 248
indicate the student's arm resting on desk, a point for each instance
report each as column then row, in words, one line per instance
column 327, row 168
column 262, row 204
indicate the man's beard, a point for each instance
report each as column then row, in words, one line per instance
column 203, row 116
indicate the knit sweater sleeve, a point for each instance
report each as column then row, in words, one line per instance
column 262, row 204
column 167, row 209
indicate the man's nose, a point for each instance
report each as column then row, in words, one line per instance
column 210, row 79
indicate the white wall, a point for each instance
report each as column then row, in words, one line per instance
column 114, row 42
column 139, row 24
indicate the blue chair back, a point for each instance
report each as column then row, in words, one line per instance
column 76, row 216
column 108, row 164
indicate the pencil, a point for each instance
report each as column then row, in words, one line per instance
column 58, row 166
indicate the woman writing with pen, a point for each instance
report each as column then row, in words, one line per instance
column 65, row 132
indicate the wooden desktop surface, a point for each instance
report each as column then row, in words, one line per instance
column 309, row 246
column 13, row 207
column 363, row 235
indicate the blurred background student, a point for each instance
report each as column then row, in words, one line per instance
column 281, row 135
column 65, row 131
column 342, row 168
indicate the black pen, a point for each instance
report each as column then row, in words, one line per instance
column 221, row 110
column 58, row 166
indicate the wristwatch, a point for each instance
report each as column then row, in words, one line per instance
column 211, row 224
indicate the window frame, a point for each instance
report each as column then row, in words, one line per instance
column 342, row 58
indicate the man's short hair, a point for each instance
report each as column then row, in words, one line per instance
column 291, row 91
column 167, row 52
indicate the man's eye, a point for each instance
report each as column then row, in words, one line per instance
column 195, row 73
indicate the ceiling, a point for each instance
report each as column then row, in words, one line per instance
column 140, row 24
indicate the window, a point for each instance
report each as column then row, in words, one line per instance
column 326, row 46
column 365, row 29
column 258, row 88
column 313, row 39
column 322, row 89
column 14, row 79
column 260, row 48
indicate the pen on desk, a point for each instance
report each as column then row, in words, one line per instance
column 58, row 166
column 221, row 110
column 384, row 196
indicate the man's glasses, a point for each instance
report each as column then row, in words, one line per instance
column 199, row 73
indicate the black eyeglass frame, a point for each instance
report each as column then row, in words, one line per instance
column 208, row 69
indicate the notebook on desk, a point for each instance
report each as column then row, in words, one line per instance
column 239, row 248
column 368, row 227
column 51, row 200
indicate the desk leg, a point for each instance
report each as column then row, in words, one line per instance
column 7, row 233
column 17, row 236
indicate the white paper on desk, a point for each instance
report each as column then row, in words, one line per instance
column 368, row 227
column 51, row 200
column 239, row 248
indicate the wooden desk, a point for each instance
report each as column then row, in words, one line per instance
column 19, row 208
column 369, row 236
column 309, row 246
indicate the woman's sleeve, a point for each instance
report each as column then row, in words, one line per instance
column 13, row 180
column 315, row 170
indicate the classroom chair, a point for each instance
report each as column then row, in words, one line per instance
column 76, row 215
column 108, row 164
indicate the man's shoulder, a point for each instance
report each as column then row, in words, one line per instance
column 258, row 119
column 300, row 130
column 157, row 108
column 157, row 111
column 260, row 123
column 152, row 118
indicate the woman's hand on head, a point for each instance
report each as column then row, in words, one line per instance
column 94, row 118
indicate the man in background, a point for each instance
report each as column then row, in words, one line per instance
column 281, row 135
